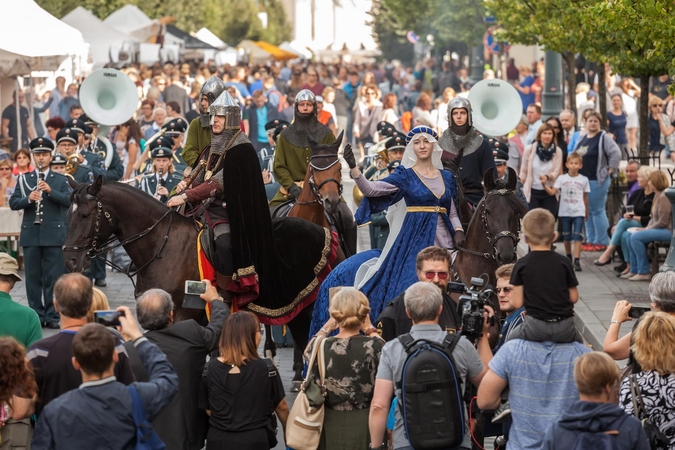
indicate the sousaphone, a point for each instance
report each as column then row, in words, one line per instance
column 496, row 107
column 108, row 97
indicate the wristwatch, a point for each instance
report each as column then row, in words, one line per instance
column 184, row 197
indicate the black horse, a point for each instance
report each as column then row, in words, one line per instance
column 162, row 245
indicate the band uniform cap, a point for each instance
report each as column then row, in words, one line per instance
column 160, row 152
column 84, row 118
column 164, row 143
column 76, row 125
column 279, row 129
column 66, row 135
column 88, row 130
column 386, row 129
column 39, row 145
column 58, row 160
column 273, row 124
column 175, row 127
column 9, row 266
column 500, row 150
column 396, row 142
column 421, row 129
column 393, row 165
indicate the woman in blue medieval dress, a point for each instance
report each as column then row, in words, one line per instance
column 421, row 202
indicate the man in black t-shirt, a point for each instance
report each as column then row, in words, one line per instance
column 51, row 357
column 433, row 266
column 9, row 124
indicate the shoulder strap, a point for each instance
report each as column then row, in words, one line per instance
column 450, row 342
column 271, row 368
column 312, row 359
column 636, row 398
column 407, row 341
column 137, row 406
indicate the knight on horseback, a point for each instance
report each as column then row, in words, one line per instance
column 199, row 131
column 465, row 151
column 228, row 195
column 292, row 158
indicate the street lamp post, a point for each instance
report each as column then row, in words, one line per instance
column 476, row 64
column 552, row 97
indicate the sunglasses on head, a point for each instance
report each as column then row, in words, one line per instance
column 429, row 275
column 505, row 289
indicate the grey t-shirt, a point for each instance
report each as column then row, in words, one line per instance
column 393, row 357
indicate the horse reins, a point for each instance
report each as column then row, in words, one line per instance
column 502, row 234
column 93, row 251
column 318, row 198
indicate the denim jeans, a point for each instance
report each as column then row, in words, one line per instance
column 573, row 228
column 637, row 247
column 619, row 238
column 597, row 223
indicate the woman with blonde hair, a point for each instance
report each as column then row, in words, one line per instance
column 653, row 341
column 659, row 228
column 240, row 391
column 99, row 303
column 351, row 365
column 7, row 181
column 595, row 413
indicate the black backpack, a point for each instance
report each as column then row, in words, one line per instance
column 431, row 395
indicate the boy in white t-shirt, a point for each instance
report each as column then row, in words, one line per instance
column 573, row 206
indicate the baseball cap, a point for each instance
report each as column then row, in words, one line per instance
column 9, row 266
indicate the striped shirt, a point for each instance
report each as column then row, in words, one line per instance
column 541, row 386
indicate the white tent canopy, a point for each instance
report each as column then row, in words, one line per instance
column 104, row 41
column 207, row 36
column 130, row 20
column 22, row 49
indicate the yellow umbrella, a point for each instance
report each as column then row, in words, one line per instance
column 278, row 53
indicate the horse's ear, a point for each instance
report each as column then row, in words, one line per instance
column 489, row 180
column 73, row 184
column 311, row 141
column 513, row 180
column 338, row 141
column 95, row 187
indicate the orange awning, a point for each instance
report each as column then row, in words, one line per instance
column 278, row 53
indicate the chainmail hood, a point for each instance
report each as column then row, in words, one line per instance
column 304, row 124
column 452, row 142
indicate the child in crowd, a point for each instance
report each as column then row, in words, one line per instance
column 573, row 206
column 546, row 283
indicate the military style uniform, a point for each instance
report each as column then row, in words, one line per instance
column 175, row 129
column 149, row 183
column 92, row 159
column 199, row 131
column 85, row 173
column 112, row 164
column 266, row 155
column 42, row 241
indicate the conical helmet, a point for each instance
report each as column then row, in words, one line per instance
column 212, row 88
column 460, row 102
column 226, row 106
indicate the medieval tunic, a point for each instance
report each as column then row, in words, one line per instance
column 198, row 138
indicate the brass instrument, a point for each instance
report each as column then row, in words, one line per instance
column 72, row 164
column 38, row 204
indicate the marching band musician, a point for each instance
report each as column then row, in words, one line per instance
column 162, row 178
column 175, row 129
column 266, row 156
column 43, row 195
column 114, row 169
column 199, row 131
column 58, row 164
column 86, row 157
column 66, row 144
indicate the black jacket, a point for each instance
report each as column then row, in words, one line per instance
column 393, row 321
column 182, row 425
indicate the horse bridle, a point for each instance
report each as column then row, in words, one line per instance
column 316, row 190
column 93, row 250
column 502, row 234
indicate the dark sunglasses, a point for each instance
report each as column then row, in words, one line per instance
column 431, row 274
column 505, row 289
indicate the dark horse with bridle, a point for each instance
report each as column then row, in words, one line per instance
column 163, row 247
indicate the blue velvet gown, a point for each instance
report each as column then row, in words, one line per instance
column 418, row 231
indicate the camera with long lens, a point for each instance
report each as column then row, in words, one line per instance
column 472, row 306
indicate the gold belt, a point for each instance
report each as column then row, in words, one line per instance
column 431, row 209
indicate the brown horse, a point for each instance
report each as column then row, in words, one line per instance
column 492, row 234
column 319, row 201
column 163, row 247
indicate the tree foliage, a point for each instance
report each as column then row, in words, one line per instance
column 231, row 20
column 388, row 35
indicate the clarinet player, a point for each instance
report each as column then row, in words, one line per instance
column 162, row 178
column 42, row 235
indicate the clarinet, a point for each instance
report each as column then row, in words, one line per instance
column 162, row 183
column 38, row 204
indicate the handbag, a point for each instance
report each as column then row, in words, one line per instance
column 305, row 420
column 656, row 439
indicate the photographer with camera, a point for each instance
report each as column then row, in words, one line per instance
column 51, row 357
column 103, row 412
column 433, row 266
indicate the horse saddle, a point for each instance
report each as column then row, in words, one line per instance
column 207, row 243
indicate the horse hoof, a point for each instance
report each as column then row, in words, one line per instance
column 295, row 386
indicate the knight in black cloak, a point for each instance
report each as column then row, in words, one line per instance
column 465, row 150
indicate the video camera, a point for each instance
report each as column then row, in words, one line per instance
column 472, row 306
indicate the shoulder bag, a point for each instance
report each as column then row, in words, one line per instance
column 305, row 420
column 656, row 439
column 146, row 437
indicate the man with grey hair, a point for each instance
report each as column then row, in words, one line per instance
column 181, row 425
column 423, row 304
column 568, row 122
